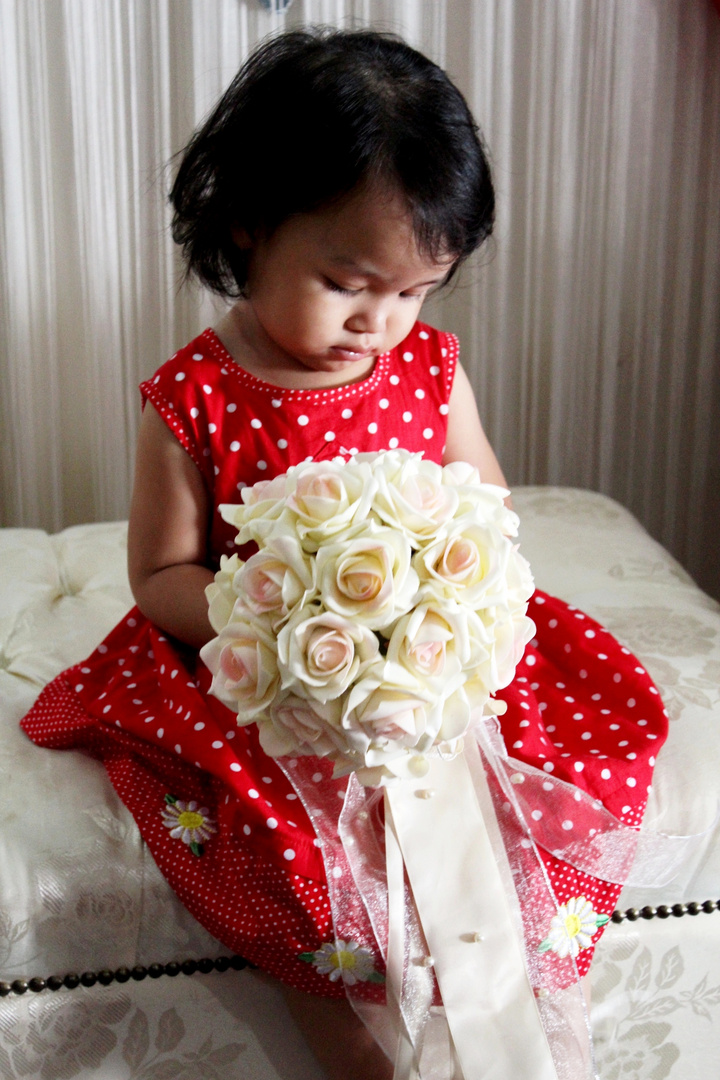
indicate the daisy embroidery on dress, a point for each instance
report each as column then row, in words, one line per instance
column 188, row 823
column 573, row 927
column 346, row 960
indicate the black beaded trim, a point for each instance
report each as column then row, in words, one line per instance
column 664, row 911
column 237, row 963
column 123, row 975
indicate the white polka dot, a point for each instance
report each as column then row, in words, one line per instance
column 589, row 633
column 419, row 394
column 212, row 428
column 407, row 416
column 247, row 830
column 78, row 688
column 207, row 389
column 178, row 748
column 372, row 428
column 288, row 854
column 302, row 420
column 394, row 379
column 536, row 815
column 329, row 436
column 606, row 774
column 217, row 744
column 407, row 357
column 424, row 335
column 530, row 660
column 631, row 703
column 548, row 766
column 231, row 407
column 427, row 433
column 517, row 745
column 393, row 443
column 383, row 403
column 579, row 766
column 160, row 732
column 586, row 735
column 276, row 403
column 346, row 414
column 434, row 370
column 262, row 465
column 197, row 356
column 180, row 376
column 444, row 410
column 567, row 825
column 271, row 823
column 282, row 444
column 255, row 423
column 602, row 656
column 253, row 793
column 317, row 777
column 631, row 781
column 234, row 765
column 200, row 725
column 234, row 446
column 337, row 871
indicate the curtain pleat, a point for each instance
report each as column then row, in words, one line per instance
column 590, row 325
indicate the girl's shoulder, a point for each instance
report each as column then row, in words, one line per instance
column 201, row 359
column 425, row 342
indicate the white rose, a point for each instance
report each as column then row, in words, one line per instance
column 261, row 504
column 412, row 497
column 484, row 501
column 329, row 498
column 468, row 563
column 438, row 641
column 323, row 652
column 243, row 661
column 276, row 579
column 294, row 725
column 368, row 578
column 220, row 593
column 388, row 712
column 511, row 632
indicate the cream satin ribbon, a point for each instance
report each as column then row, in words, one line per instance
column 461, row 900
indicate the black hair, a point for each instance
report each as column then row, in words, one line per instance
column 311, row 115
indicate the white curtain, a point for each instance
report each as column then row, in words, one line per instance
column 590, row 327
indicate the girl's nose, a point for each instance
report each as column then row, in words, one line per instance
column 368, row 319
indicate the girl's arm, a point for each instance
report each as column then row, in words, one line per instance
column 167, row 542
column 466, row 440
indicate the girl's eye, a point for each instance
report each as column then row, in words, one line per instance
column 334, row 287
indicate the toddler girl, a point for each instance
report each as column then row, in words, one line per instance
column 340, row 179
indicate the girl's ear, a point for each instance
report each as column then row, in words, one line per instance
column 241, row 237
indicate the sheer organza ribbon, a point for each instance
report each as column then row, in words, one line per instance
column 432, row 874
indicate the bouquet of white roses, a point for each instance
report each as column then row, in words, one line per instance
column 385, row 602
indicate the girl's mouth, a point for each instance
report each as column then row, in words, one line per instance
column 350, row 354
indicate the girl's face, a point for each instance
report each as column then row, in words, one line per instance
column 331, row 290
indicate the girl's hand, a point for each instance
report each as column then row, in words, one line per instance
column 466, row 440
column 167, row 542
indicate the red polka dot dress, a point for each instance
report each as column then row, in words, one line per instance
column 220, row 818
